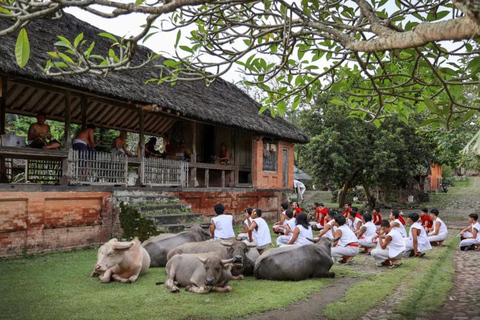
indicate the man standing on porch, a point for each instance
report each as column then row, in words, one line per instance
column 85, row 141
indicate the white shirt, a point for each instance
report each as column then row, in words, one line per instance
column 397, row 244
column 262, row 235
column 477, row 226
column 245, row 222
column 443, row 227
column 355, row 223
column 292, row 223
column 371, row 230
column 303, row 235
column 329, row 233
column 347, row 236
column 297, row 184
column 401, row 228
column 223, row 227
column 422, row 239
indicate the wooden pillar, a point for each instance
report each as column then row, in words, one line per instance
column 141, row 173
column 193, row 158
column 223, row 178
column 207, row 177
column 3, row 103
column 84, row 105
column 68, row 132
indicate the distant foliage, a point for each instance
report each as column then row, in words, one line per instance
column 135, row 225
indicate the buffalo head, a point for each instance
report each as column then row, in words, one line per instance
column 215, row 269
column 111, row 254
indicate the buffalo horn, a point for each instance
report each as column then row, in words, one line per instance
column 226, row 243
column 226, row 261
column 314, row 240
column 202, row 260
column 252, row 244
column 122, row 245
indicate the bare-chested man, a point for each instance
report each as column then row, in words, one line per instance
column 39, row 132
column 85, row 140
column 120, row 143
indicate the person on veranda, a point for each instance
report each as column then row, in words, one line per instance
column 39, row 134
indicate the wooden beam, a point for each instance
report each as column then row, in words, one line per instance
column 3, row 104
column 207, row 177
column 68, row 134
column 84, row 106
column 141, row 173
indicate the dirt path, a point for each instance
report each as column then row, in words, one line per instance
column 313, row 307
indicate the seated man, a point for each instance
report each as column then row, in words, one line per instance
column 439, row 232
column 289, row 225
column 471, row 235
column 296, row 209
column 301, row 232
column 248, row 220
column 346, row 247
column 278, row 226
column 120, row 144
column 329, row 227
column 418, row 242
column 182, row 151
column 222, row 225
column 377, row 217
column 366, row 233
column 355, row 221
column 259, row 231
column 224, row 157
column 396, row 223
column 427, row 222
column 391, row 246
column 84, row 141
column 150, row 148
column 318, row 216
column 39, row 132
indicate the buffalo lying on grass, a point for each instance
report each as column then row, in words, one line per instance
column 295, row 263
column 226, row 250
column 159, row 246
column 199, row 273
column 121, row 261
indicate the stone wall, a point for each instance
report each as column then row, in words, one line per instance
column 33, row 222
column 235, row 202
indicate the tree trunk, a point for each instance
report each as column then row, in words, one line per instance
column 370, row 198
column 346, row 186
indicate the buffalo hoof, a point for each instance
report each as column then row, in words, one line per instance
column 94, row 274
column 129, row 281
column 174, row 289
column 331, row 275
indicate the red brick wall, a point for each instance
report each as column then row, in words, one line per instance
column 52, row 221
column 235, row 202
column 271, row 180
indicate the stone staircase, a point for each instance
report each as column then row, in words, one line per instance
column 166, row 211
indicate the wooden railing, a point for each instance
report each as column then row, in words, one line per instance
column 164, row 172
column 91, row 167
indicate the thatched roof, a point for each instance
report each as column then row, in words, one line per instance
column 222, row 103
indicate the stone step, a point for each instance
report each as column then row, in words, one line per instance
column 186, row 219
column 171, row 228
column 164, row 209
column 138, row 200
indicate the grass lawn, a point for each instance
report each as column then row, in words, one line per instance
column 467, row 183
column 58, row 286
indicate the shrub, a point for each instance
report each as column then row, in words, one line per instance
column 135, row 225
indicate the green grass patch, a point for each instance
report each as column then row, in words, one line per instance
column 414, row 272
column 58, row 286
column 467, row 183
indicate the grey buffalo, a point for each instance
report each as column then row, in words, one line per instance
column 226, row 249
column 121, row 261
column 296, row 262
column 199, row 273
column 159, row 246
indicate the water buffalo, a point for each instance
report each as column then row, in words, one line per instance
column 121, row 261
column 159, row 246
column 226, row 250
column 296, row 262
column 199, row 273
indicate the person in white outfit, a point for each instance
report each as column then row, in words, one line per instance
column 300, row 188
column 222, row 225
column 438, row 233
column 417, row 243
column 289, row 226
column 278, row 226
column 367, row 232
column 346, row 247
column 391, row 246
column 355, row 220
column 301, row 232
column 329, row 228
column 259, row 231
column 471, row 235
column 244, row 234
column 396, row 223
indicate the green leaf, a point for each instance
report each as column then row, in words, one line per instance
column 139, row 2
column 262, row 109
column 179, row 35
column 78, row 39
column 65, row 40
column 89, row 50
column 149, row 35
column 65, row 58
column 22, row 48
column 171, row 63
column 468, row 115
column 281, row 107
column 337, row 102
column 296, row 102
column 186, row 48
column 442, row 14
column 108, row 36
column 62, row 44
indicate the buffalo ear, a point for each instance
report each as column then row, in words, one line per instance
column 202, row 260
column 113, row 240
column 122, row 245
column 314, row 240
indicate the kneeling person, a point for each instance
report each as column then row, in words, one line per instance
column 391, row 246
column 418, row 242
column 470, row 235
column 289, row 226
column 366, row 233
column 346, row 247
column 439, row 230
column 259, row 231
column 302, row 231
